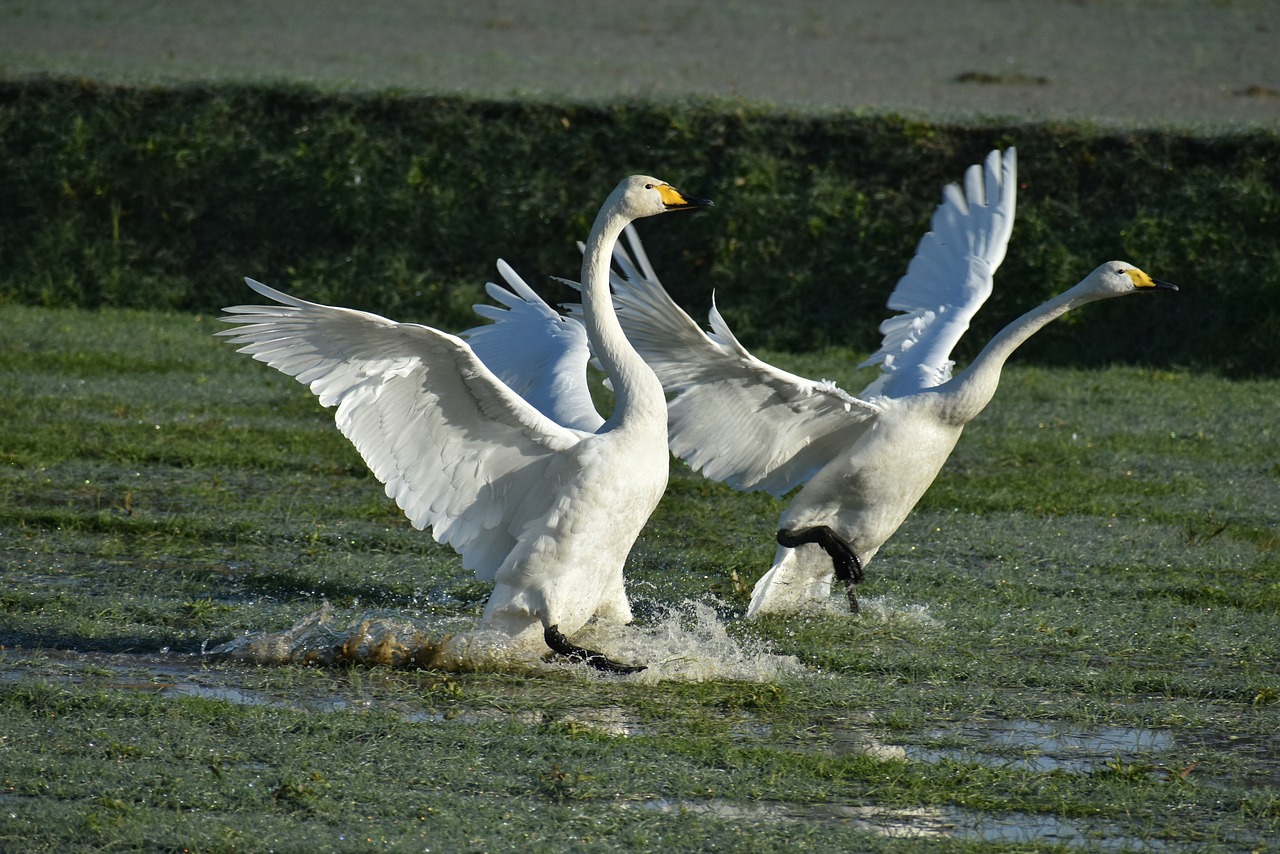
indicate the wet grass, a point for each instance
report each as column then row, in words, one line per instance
column 1071, row 643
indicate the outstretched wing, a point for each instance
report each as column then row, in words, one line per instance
column 457, row 449
column 732, row 416
column 536, row 351
column 948, row 280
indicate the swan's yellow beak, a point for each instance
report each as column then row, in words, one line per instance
column 1143, row 282
column 674, row 200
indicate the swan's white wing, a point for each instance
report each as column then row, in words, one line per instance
column 457, row 450
column 732, row 417
column 948, row 280
column 539, row 353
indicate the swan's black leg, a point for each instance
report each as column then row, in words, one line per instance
column 847, row 566
column 561, row 645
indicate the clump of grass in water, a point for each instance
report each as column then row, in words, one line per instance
column 376, row 638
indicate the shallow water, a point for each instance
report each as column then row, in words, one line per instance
column 925, row 823
column 689, row 642
column 1034, row 746
column 1020, row 744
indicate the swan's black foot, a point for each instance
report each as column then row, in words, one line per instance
column 847, row 566
column 560, row 644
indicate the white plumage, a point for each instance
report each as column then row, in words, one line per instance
column 545, row 509
column 864, row 461
column 539, row 353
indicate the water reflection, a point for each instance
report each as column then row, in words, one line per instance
column 1020, row 744
column 1035, row 746
column 924, row 823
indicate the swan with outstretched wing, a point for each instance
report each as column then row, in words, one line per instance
column 541, row 505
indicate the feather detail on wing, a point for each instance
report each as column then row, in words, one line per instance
column 458, row 450
column 537, row 352
column 732, row 416
column 948, row 280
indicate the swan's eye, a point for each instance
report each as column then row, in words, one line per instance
column 648, row 186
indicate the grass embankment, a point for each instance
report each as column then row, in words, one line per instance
column 1072, row 640
column 166, row 198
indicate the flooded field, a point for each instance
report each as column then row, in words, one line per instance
column 218, row 633
column 1152, row 756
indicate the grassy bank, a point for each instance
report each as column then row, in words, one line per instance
column 137, row 197
column 1072, row 642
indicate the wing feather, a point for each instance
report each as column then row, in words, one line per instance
column 455, row 448
column 948, row 280
column 732, row 416
column 539, row 353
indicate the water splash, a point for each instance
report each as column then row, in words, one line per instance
column 886, row 609
column 319, row 639
column 874, row 609
column 690, row 643
column 687, row 643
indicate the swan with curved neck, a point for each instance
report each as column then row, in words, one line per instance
column 863, row 461
column 855, row 501
column 546, row 510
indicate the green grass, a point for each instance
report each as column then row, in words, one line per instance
column 168, row 197
column 1098, row 564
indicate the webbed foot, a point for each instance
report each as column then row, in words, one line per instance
column 847, row 566
column 561, row 646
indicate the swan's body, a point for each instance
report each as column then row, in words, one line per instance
column 546, row 510
column 864, row 461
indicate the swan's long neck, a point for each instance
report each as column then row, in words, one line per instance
column 635, row 386
column 973, row 389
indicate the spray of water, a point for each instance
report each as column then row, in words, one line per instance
column 691, row 643
column 875, row 609
column 688, row 643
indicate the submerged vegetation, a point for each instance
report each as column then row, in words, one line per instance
column 1071, row 642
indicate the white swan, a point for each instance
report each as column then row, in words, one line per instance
column 546, row 510
column 864, row 461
